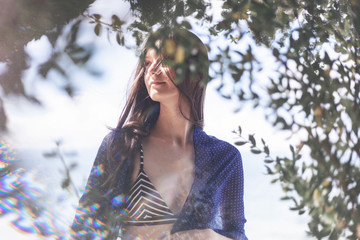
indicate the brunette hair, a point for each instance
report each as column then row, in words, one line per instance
column 180, row 50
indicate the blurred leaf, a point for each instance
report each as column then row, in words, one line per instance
column 118, row 38
column 73, row 165
column 240, row 143
column 252, row 139
column 255, row 151
column 50, row 154
column 186, row 24
column 65, row 183
column 97, row 29
column 240, row 130
column 266, row 150
column 116, row 22
column 69, row 90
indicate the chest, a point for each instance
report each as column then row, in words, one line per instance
column 170, row 170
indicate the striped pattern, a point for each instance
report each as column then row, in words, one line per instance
column 145, row 206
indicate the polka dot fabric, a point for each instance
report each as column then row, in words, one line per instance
column 215, row 200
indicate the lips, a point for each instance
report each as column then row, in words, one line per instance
column 156, row 83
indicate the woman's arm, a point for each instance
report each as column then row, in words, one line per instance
column 217, row 201
column 91, row 215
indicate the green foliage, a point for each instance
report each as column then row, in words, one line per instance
column 316, row 92
column 22, row 21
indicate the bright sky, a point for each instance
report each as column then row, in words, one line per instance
column 81, row 124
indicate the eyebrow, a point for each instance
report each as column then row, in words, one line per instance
column 149, row 58
column 158, row 59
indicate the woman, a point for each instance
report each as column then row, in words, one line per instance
column 157, row 175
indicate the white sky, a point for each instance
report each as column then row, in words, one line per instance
column 81, row 123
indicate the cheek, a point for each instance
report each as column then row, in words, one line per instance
column 170, row 73
column 146, row 82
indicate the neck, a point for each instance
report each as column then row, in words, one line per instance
column 172, row 126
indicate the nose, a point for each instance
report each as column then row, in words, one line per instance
column 155, row 68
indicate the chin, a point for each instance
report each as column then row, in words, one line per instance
column 155, row 97
column 165, row 99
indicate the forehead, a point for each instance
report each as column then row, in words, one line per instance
column 151, row 54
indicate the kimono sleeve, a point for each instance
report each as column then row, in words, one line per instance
column 232, row 202
column 92, row 213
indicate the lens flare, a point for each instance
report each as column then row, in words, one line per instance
column 23, row 196
column 7, row 155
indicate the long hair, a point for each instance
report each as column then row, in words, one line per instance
column 181, row 51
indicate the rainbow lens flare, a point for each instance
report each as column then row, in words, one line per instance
column 22, row 196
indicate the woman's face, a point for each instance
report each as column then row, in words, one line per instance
column 159, row 85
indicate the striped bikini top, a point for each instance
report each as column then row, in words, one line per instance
column 145, row 206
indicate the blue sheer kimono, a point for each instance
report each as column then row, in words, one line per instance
column 215, row 200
